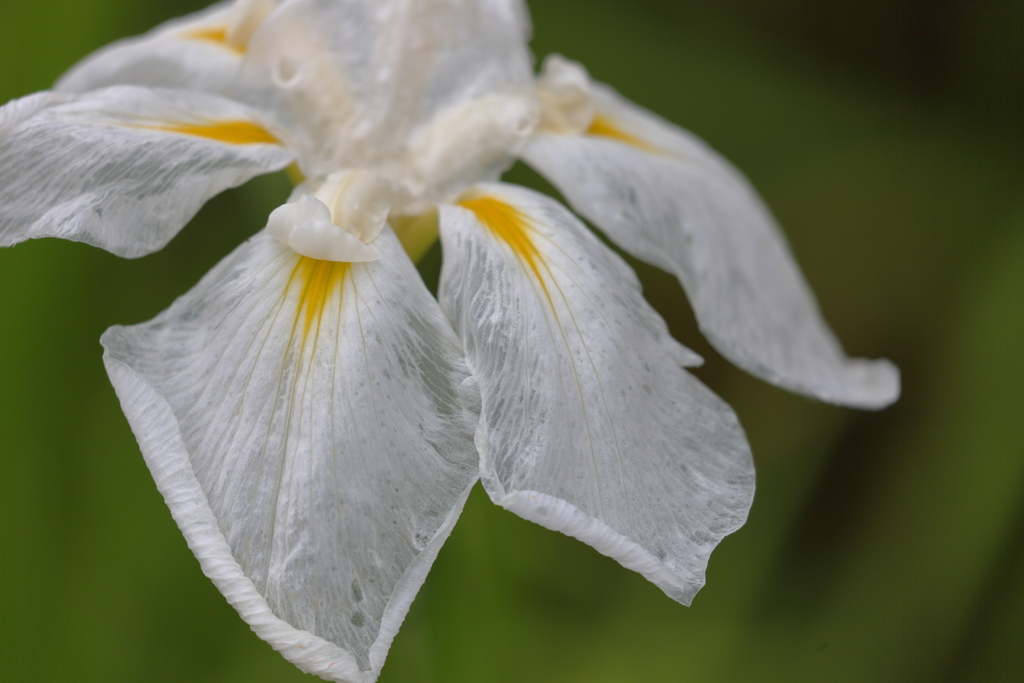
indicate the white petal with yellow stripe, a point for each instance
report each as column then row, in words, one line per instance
column 309, row 424
column 665, row 197
column 589, row 425
column 123, row 168
column 200, row 51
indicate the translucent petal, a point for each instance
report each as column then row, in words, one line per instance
column 194, row 52
column 589, row 425
column 665, row 197
column 123, row 168
column 309, row 424
column 370, row 80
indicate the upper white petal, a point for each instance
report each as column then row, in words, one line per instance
column 123, row 168
column 588, row 424
column 169, row 56
column 433, row 95
column 666, row 198
column 200, row 51
column 309, row 425
column 397, row 86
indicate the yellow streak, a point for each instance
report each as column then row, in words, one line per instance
column 230, row 132
column 603, row 127
column 512, row 228
column 218, row 35
column 319, row 281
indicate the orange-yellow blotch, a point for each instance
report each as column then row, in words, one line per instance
column 218, row 35
column 319, row 282
column 229, row 132
column 511, row 227
column 603, row 127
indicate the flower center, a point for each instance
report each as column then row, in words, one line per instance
column 338, row 220
column 462, row 145
column 566, row 102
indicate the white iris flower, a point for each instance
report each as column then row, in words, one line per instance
column 314, row 418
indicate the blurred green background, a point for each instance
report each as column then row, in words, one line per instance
column 886, row 135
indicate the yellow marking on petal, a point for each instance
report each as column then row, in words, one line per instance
column 511, row 227
column 218, row 35
column 416, row 233
column 229, row 132
column 319, row 281
column 603, row 127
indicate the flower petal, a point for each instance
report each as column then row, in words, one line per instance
column 362, row 77
column 194, row 52
column 588, row 425
column 123, row 168
column 665, row 197
column 309, row 424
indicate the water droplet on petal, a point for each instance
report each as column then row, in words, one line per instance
column 420, row 540
column 286, row 72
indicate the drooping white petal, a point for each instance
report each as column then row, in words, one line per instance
column 309, row 424
column 200, row 51
column 123, row 168
column 588, row 425
column 426, row 93
column 665, row 197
